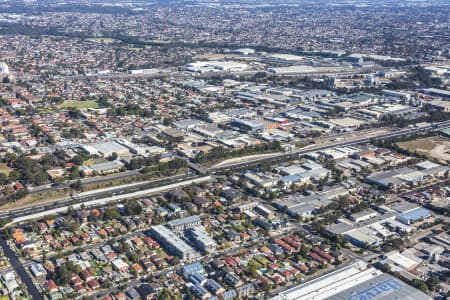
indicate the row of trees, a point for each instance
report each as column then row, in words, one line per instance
column 140, row 162
column 131, row 109
column 433, row 116
column 431, row 284
column 418, row 77
column 152, row 164
column 131, row 208
column 33, row 172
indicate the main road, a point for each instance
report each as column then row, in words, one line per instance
column 90, row 180
column 251, row 161
column 127, row 191
column 36, row 214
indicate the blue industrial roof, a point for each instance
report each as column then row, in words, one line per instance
column 290, row 178
column 415, row 215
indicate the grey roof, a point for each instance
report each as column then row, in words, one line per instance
column 107, row 147
column 363, row 213
column 339, row 228
column 105, row 166
column 172, row 238
column 414, row 215
column 250, row 123
column 383, row 287
column 183, row 221
column 389, row 177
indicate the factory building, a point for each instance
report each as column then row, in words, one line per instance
column 357, row 281
column 395, row 94
column 437, row 92
column 249, row 125
column 414, row 215
column 215, row 66
column 106, row 149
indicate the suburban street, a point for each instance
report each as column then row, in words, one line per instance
column 20, row 270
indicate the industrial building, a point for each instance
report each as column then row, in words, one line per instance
column 304, row 173
column 396, row 94
column 145, row 71
column 437, row 92
column 101, row 168
column 215, row 66
column 244, row 51
column 414, row 215
column 396, row 178
column 385, row 109
column 249, row 125
column 133, row 148
column 370, row 228
column 441, row 105
column 357, row 281
column 286, row 57
column 105, row 149
column 347, row 123
column 292, row 69
column 306, row 206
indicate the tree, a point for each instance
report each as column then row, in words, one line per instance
column 385, row 268
column 134, row 257
column 113, row 156
column 63, row 273
column 433, row 282
column 111, row 213
column 147, row 170
column 136, row 163
column 80, row 158
column 133, row 207
column 421, row 285
column 74, row 173
column 397, row 243
column 252, row 268
column 77, row 185
column 189, row 294
column 50, row 161
column 30, row 171
column 164, row 295
column 304, row 251
column 3, row 179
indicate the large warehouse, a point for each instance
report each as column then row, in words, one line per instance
column 105, row 149
column 354, row 282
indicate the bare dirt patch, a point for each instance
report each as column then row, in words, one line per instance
column 35, row 199
column 432, row 147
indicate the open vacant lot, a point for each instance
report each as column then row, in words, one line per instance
column 35, row 199
column 79, row 104
column 433, row 147
column 5, row 169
